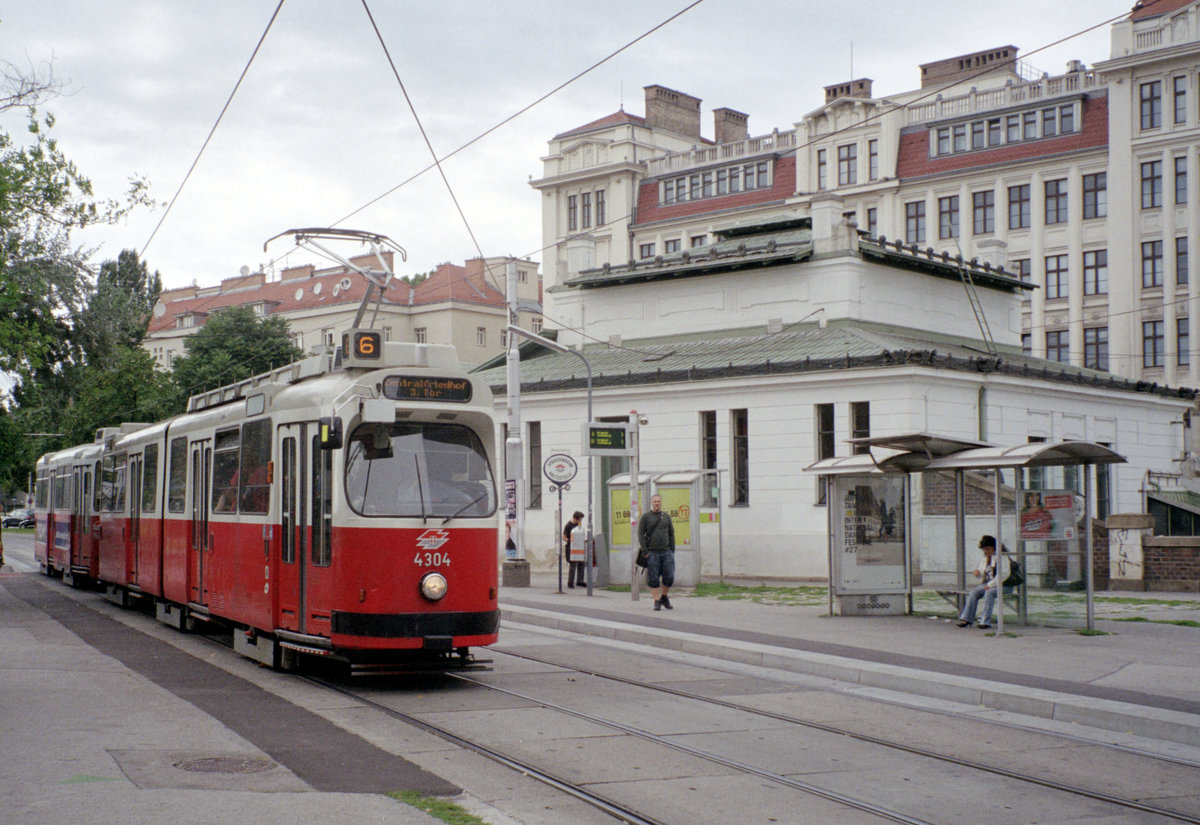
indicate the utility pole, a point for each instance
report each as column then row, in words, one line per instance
column 515, row 571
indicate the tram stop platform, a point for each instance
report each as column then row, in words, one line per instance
column 1139, row 678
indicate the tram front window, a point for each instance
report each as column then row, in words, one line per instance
column 418, row 470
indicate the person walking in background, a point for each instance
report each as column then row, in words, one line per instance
column 575, row 570
column 656, row 535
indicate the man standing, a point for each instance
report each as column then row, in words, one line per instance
column 575, row 570
column 656, row 535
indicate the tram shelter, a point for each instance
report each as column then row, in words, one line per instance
column 871, row 541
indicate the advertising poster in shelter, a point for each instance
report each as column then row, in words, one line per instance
column 622, row 533
column 1050, row 515
column 677, row 502
column 869, row 534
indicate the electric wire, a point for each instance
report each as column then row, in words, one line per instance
column 211, row 131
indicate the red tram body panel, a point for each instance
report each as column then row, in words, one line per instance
column 344, row 505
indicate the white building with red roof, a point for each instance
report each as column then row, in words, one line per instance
column 463, row 305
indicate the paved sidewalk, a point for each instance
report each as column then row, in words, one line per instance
column 1143, row 679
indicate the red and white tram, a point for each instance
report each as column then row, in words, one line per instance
column 342, row 506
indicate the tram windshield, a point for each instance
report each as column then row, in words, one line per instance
column 418, row 470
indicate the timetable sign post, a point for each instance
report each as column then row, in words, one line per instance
column 607, row 438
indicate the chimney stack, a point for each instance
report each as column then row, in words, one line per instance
column 730, row 126
column 851, row 88
column 673, row 111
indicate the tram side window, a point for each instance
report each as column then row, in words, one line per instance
column 150, row 479
column 41, row 493
column 225, row 471
column 60, row 491
column 113, row 484
column 177, row 475
column 98, row 490
column 253, row 489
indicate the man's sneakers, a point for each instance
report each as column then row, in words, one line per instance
column 659, row 604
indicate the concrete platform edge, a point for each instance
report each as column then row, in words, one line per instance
column 1119, row 717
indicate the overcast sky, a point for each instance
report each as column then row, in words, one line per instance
column 320, row 126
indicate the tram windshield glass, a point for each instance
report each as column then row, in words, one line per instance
column 418, row 470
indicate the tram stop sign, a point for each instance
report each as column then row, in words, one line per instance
column 560, row 468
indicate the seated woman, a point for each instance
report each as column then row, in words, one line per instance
column 993, row 571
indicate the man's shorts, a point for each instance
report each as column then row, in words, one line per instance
column 661, row 567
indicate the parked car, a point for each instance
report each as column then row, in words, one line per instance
column 19, row 518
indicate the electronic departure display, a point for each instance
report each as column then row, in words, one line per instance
column 604, row 438
column 418, row 388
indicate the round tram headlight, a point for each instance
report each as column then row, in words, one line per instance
column 433, row 586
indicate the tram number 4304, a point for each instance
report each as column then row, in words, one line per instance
column 432, row 560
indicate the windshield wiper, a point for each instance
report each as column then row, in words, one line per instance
column 467, row 506
column 420, row 487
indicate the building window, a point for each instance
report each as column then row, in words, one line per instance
column 826, row 443
column 1181, row 260
column 1026, row 343
column 1018, row 207
column 1012, row 128
column 1049, row 122
column 419, row 335
column 1029, row 128
column 481, row 336
column 847, row 165
column 1181, row 179
column 1152, row 184
column 671, row 245
column 1066, row 119
column 504, row 338
column 914, row 222
column 1095, row 195
column 708, row 456
column 872, row 221
column 977, row 141
column 1023, row 269
column 537, row 324
column 1152, row 264
column 960, row 137
column 739, row 432
column 1179, row 89
column 1095, row 272
column 1057, row 282
column 1056, row 201
column 943, row 140
column 1058, row 346
column 646, row 250
column 1182, row 342
column 984, row 211
column 873, row 159
column 585, row 209
column 1151, row 104
column 535, row 465
column 572, row 212
column 995, row 136
column 1095, row 348
column 601, row 208
column 1152, row 343
column 860, row 424
column 822, row 173
column 699, row 240
column 948, row 217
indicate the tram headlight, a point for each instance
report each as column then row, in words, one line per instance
column 433, row 586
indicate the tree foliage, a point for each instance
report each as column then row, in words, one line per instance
column 118, row 309
column 233, row 344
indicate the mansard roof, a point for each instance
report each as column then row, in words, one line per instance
column 798, row 349
column 1145, row 9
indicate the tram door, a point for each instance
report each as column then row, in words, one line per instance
column 294, row 527
column 200, row 544
column 81, row 482
column 304, row 580
column 132, row 547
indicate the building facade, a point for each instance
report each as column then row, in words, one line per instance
column 1084, row 184
column 460, row 305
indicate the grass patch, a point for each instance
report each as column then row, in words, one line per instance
column 765, row 594
column 1176, row 622
column 1083, row 631
column 438, row 808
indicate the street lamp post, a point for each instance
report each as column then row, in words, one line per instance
column 557, row 347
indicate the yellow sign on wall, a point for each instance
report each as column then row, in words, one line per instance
column 677, row 501
column 618, row 503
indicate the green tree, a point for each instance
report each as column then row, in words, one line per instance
column 233, row 344
column 118, row 309
column 128, row 388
